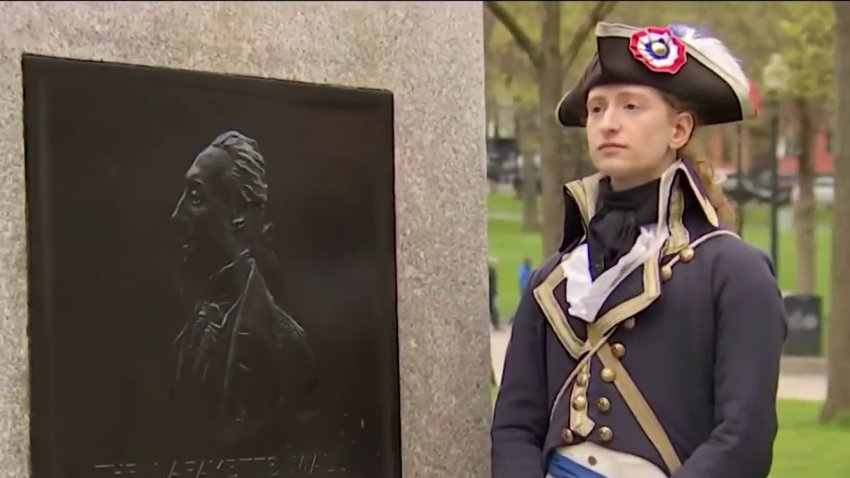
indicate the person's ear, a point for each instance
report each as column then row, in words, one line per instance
column 683, row 128
column 239, row 217
column 238, row 223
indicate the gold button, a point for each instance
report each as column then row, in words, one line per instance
column 579, row 403
column 567, row 435
column 606, row 434
column 603, row 404
column 581, row 379
column 686, row 255
column 629, row 324
column 659, row 48
column 608, row 375
column 666, row 272
column 619, row 350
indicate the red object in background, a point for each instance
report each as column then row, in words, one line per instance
column 823, row 160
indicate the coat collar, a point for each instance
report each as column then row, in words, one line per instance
column 580, row 205
column 641, row 289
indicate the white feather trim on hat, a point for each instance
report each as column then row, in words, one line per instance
column 713, row 49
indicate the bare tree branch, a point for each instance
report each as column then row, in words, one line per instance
column 521, row 38
column 600, row 11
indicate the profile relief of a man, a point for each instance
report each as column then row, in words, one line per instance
column 242, row 361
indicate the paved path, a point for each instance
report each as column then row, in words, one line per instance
column 806, row 382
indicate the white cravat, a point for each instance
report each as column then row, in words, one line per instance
column 586, row 296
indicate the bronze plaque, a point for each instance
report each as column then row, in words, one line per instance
column 212, row 275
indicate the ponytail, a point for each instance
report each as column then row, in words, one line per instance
column 713, row 191
column 702, row 166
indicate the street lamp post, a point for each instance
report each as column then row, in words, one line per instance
column 775, row 76
column 739, row 185
column 774, row 185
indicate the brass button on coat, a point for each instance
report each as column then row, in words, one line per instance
column 603, row 404
column 567, row 435
column 579, row 403
column 606, row 434
column 686, row 255
column 581, row 379
column 608, row 375
column 619, row 350
column 666, row 272
column 629, row 324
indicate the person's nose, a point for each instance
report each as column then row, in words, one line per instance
column 178, row 212
column 610, row 121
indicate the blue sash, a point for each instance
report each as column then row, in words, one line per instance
column 563, row 467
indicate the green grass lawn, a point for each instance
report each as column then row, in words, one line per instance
column 805, row 448
column 509, row 245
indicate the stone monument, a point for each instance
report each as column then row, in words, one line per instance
column 428, row 55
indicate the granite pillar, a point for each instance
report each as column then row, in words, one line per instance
column 429, row 54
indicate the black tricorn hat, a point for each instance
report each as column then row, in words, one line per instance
column 697, row 70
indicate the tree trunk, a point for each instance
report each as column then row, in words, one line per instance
column 549, row 93
column 528, row 175
column 530, row 216
column 489, row 22
column 838, row 360
column 804, row 207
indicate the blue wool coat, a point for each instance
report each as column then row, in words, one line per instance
column 680, row 367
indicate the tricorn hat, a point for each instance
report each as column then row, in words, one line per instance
column 698, row 70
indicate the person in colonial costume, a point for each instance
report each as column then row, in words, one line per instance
column 649, row 345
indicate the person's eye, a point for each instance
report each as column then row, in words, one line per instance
column 195, row 196
column 595, row 109
column 631, row 106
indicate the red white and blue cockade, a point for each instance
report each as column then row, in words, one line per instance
column 659, row 49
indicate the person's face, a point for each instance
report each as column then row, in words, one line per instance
column 203, row 211
column 633, row 133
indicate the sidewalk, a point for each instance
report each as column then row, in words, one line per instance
column 801, row 378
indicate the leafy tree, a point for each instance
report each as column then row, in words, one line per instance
column 510, row 81
column 541, row 40
column 807, row 37
column 520, row 70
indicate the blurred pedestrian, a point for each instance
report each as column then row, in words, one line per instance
column 524, row 274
